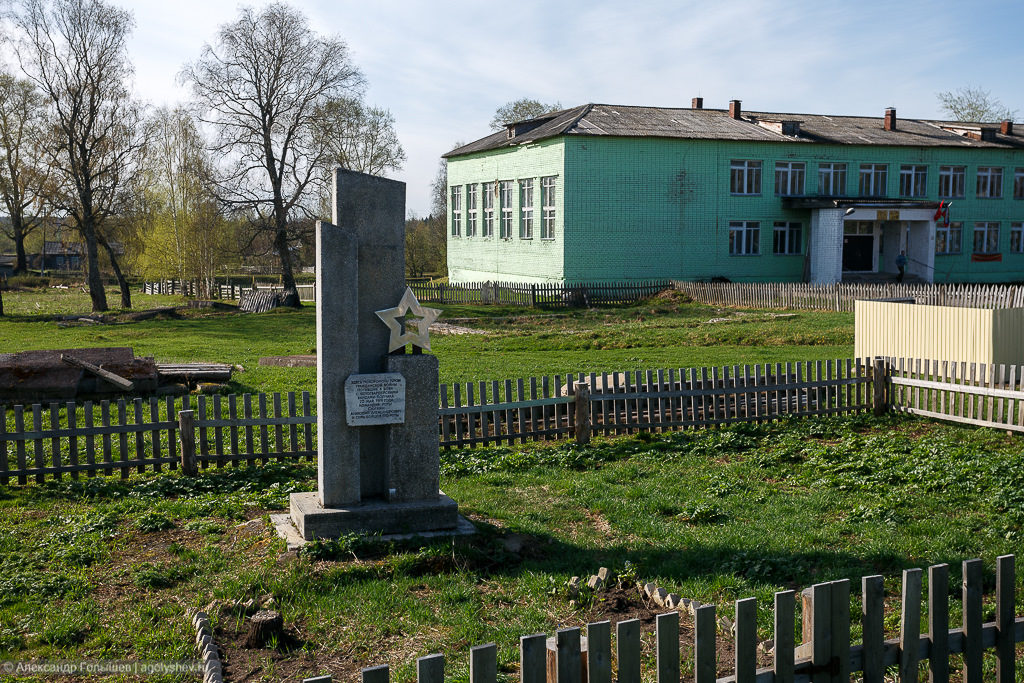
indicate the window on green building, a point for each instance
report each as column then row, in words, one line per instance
column 744, row 238
column 947, row 238
column 832, row 179
column 487, row 206
column 1018, row 184
column 913, row 181
column 986, row 238
column 471, row 190
column 745, row 177
column 990, row 182
column 789, row 178
column 951, row 181
column 526, row 209
column 547, row 208
column 456, row 210
column 505, row 199
column 787, row 237
column 873, row 180
column 1017, row 238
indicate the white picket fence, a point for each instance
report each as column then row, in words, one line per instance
column 840, row 297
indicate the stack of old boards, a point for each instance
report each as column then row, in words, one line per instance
column 65, row 374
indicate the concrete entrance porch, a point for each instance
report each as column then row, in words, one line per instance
column 859, row 240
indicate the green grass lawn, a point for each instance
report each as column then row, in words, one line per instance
column 100, row 568
column 663, row 332
column 105, row 569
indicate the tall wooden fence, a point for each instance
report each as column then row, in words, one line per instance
column 828, row 654
column 540, row 295
column 840, row 297
column 68, row 438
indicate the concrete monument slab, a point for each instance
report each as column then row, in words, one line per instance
column 377, row 412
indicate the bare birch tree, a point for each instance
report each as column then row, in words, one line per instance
column 261, row 86
column 22, row 171
column 76, row 53
column 974, row 104
column 361, row 138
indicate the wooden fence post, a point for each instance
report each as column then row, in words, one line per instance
column 187, row 435
column 878, row 385
column 583, row 427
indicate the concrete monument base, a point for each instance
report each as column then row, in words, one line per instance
column 313, row 520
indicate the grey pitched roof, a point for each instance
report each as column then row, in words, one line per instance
column 716, row 124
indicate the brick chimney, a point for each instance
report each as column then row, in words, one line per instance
column 735, row 110
column 697, row 103
column 1006, row 127
column 890, row 119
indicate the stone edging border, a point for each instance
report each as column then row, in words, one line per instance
column 659, row 596
column 212, row 670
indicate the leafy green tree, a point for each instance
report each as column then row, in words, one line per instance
column 187, row 235
column 521, row 110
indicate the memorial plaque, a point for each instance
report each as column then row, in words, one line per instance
column 377, row 399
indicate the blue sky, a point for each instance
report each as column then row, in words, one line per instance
column 442, row 68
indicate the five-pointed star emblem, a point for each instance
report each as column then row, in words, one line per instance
column 421, row 337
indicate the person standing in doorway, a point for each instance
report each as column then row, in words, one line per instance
column 901, row 264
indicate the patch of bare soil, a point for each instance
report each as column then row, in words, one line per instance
column 617, row 604
column 286, row 662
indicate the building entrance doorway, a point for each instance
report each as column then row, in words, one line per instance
column 859, row 246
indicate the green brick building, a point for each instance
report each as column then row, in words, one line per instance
column 610, row 193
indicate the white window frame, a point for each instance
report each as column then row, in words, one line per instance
column 1017, row 237
column 1018, row 183
column 471, row 202
column 874, row 180
column 913, row 180
column 456, row 210
column 790, row 234
column 949, row 240
column 789, row 178
column 744, row 238
column 832, row 179
column 986, row 235
column 487, row 206
column 990, row 182
column 548, row 186
column 505, row 196
column 745, row 177
column 952, row 182
column 526, row 209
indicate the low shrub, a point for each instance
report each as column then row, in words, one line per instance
column 16, row 282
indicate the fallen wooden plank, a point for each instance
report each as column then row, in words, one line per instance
column 116, row 380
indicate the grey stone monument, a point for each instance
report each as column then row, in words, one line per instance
column 377, row 440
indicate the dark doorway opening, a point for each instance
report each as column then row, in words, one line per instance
column 858, row 252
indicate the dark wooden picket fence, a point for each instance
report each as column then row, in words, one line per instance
column 552, row 295
column 653, row 400
column 227, row 291
column 37, row 441
column 138, row 435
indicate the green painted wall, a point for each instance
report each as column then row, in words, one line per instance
column 478, row 259
column 641, row 208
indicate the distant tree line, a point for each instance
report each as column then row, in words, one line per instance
column 184, row 192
